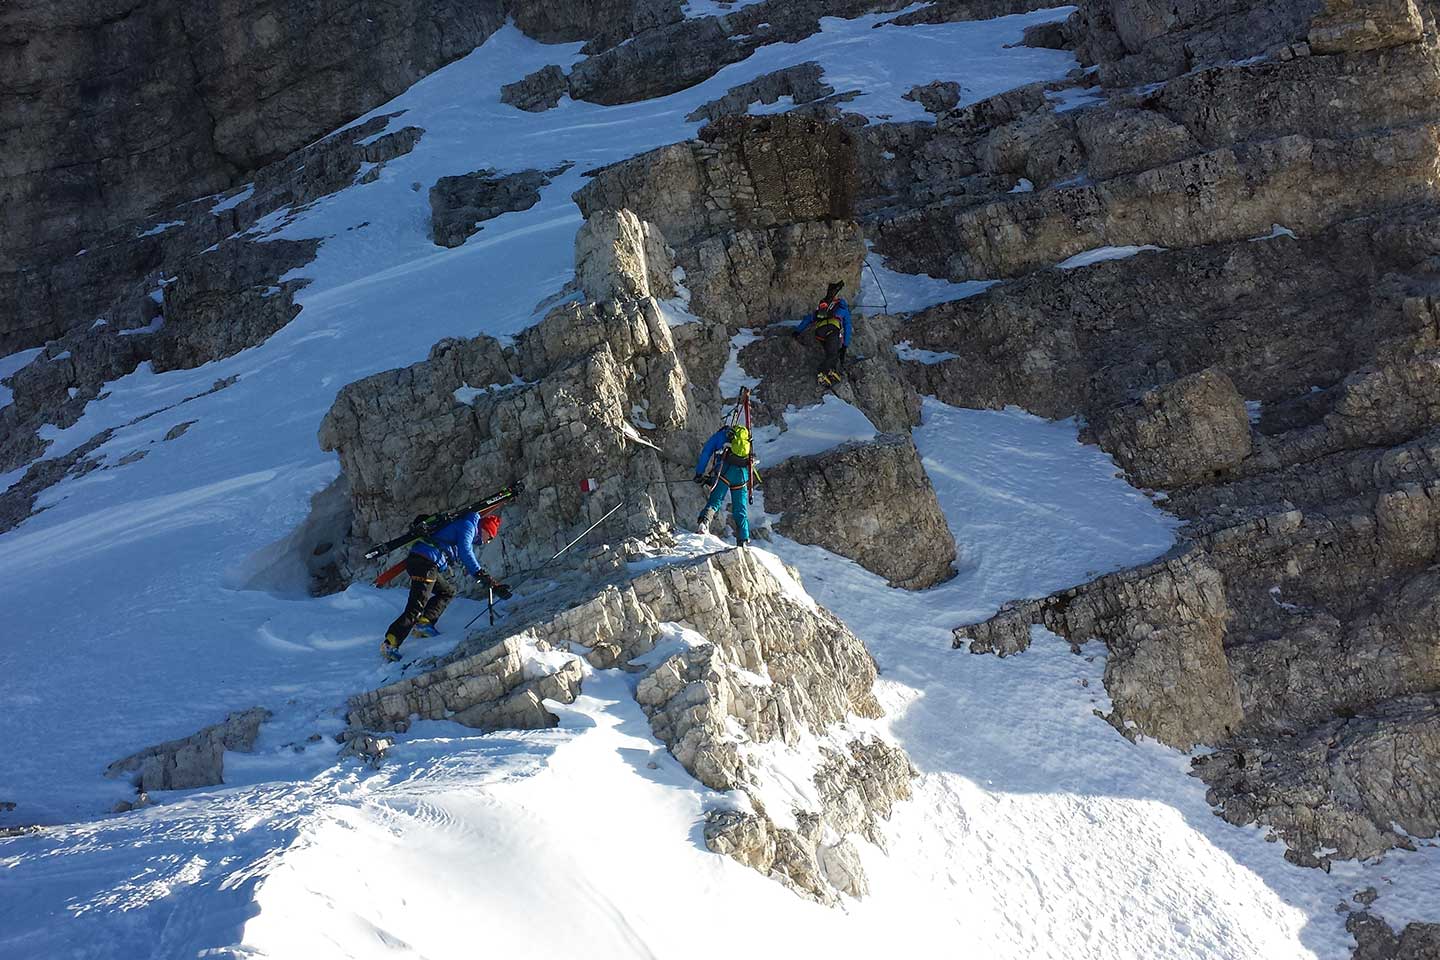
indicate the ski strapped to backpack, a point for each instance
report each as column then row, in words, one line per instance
column 424, row 526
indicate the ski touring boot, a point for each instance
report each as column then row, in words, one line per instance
column 390, row 648
column 702, row 522
column 823, row 378
column 832, row 378
column 424, row 628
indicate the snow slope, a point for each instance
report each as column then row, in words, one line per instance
column 1036, row 831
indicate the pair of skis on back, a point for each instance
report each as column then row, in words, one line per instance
column 425, row 526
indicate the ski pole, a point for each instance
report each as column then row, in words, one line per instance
column 557, row 556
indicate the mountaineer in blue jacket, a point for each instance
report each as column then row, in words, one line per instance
column 430, row 591
column 733, row 470
column 831, row 323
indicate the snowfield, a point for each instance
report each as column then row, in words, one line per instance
column 144, row 604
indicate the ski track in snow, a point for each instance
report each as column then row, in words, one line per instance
column 1035, row 831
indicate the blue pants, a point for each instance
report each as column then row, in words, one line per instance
column 736, row 480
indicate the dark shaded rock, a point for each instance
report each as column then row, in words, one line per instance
column 871, row 502
column 178, row 431
column 538, row 91
column 118, row 110
column 1186, row 432
column 458, row 205
column 1349, row 788
column 228, row 300
column 603, row 23
column 195, row 761
column 1376, row 941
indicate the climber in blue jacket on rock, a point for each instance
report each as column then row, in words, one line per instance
column 831, row 323
column 728, row 464
column 430, row 591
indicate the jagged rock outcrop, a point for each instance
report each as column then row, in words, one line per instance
column 757, row 212
column 757, row 666
column 536, row 92
column 554, row 408
column 126, row 282
column 1351, row 788
column 224, row 301
column 117, row 111
column 801, row 83
column 460, row 204
column 618, row 256
column 873, row 378
column 503, row 687
column 1349, row 26
column 1189, row 431
column 195, row 761
column 870, row 501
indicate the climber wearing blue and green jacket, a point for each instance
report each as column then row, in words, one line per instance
column 831, row 323
column 430, row 591
column 728, row 464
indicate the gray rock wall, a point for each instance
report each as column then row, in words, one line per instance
column 118, row 110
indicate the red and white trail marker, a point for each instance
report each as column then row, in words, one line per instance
column 589, row 485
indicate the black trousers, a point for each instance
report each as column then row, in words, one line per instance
column 832, row 343
column 430, row 594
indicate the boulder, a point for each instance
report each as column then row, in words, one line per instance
column 870, row 501
column 194, row 761
column 1186, row 432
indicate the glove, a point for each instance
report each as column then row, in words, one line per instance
column 491, row 584
column 701, row 479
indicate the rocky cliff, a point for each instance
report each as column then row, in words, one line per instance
column 1279, row 166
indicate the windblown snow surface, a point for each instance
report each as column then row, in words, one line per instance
column 145, row 602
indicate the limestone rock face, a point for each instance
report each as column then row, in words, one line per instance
column 1347, row 26
column 620, row 257
column 195, row 761
column 503, row 687
column 801, row 83
column 1165, row 626
column 458, row 205
column 553, row 408
column 1185, row 432
column 756, row 211
column 872, row 502
column 1346, row 789
column 228, row 300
